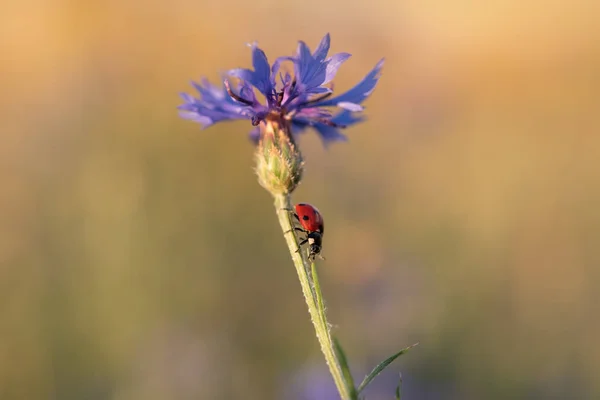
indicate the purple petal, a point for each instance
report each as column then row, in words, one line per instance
column 323, row 48
column 208, row 90
column 312, row 85
column 187, row 97
column 350, row 106
column 320, row 90
column 243, row 74
column 359, row 92
column 214, row 105
column 205, row 116
column 328, row 133
column 254, row 135
column 346, row 118
column 262, row 69
column 277, row 65
column 260, row 78
column 212, row 93
column 310, row 71
column 334, row 64
column 201, row 119
column 312, row 113
column 313, row 71
column 247, row 92
column 303, row 61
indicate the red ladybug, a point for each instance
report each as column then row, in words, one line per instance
column 312, row 224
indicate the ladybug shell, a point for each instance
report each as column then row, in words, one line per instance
column 310, row 218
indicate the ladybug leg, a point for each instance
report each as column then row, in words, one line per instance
column 313, row 257
column 290, row 210
column 295, row 229
column 301, row 243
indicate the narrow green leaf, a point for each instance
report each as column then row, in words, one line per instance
column 345, row 368
column 377, row 370
column 399, row 389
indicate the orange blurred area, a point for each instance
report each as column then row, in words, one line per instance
column 140, row 259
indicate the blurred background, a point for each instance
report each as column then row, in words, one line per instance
column 140, row 259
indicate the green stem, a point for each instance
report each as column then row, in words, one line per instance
column 313, row 297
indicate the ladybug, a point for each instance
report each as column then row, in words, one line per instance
column 312, row 224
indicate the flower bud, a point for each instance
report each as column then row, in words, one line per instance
column 279, row 163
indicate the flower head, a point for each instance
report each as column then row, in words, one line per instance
column 293, row 102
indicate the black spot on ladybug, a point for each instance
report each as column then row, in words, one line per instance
column 305, row 217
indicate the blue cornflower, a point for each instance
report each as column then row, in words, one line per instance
column 294, row 102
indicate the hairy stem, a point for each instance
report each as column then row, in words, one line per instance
column 313, row 297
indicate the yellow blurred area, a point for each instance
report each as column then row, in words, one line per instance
column 139, row 258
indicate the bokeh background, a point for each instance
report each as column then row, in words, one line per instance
column 140, row 259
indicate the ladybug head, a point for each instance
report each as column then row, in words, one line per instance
column 315, row 240
column 315, row 248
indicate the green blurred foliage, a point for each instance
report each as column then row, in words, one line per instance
column 139, row 258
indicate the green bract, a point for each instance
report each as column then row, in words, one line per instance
column 279, row 163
